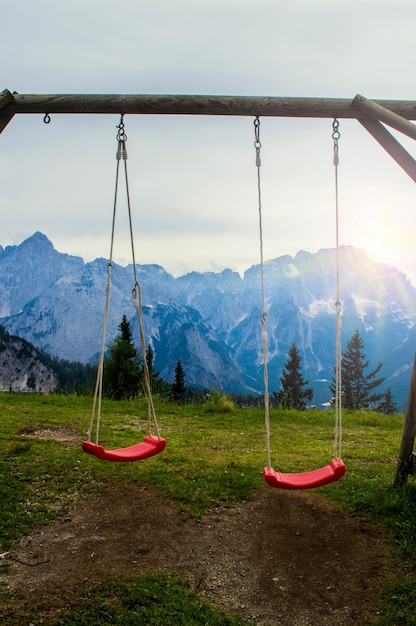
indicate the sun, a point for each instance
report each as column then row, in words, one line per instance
column 375, row 228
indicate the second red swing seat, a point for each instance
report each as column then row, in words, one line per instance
column 150, row 446
column 306, row 480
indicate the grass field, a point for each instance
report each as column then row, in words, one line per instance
column 214, row 458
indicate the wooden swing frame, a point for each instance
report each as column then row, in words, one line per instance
column 373, row 115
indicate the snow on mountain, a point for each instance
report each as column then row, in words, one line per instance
column 212, row 321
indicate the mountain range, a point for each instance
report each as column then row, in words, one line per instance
column 212, row 321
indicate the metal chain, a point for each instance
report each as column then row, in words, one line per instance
column 257, row 142
column 335, row 136
column 121, row 138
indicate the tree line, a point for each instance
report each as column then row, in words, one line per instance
column 358, row 387
column 124, row 374
column 124, row 370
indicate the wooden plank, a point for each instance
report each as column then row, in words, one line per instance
column 197, row 105
column 405, row 460
column 380, row 113
column 391, row 145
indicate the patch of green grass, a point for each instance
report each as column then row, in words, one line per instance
column 147, row 601
column 218, row 403
column 8, row 596
column 397, row 603
column 382, row 503
column 39, row 478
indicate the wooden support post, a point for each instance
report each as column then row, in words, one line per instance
column 381, row 114
column 391, row 145
column 5, row 98
column 405, row 461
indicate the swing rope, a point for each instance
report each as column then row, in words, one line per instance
column 257, row 146
column 121, row 155
column 338, row 355
column 336, row 468
column 137, row 292
column 98, row 391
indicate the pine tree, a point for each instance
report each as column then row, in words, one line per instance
column 122, row 365
column 356, row 386
column 293, row 395
column 156, row 383
column 387, row 406
column 178, row 387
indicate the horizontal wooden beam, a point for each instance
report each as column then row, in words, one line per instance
column 197, row 105
column 381, row 114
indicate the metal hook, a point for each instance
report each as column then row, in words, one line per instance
column 47, row 119
column 257, row 142
column 121, row 135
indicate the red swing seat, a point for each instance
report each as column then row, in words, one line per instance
column 306, row 480
column 150, row 446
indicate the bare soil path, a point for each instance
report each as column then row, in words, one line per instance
column 283, row 558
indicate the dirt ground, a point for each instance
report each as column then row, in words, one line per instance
column 283, row 558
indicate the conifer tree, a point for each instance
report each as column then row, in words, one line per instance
column 178, row 387
column 156, row 383
column 122, row 365
column 357, row 386
column 387, row 406
column 293, row 394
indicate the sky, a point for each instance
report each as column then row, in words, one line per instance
column 193, row 180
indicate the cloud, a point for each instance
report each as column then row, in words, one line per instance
column 193, row 179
